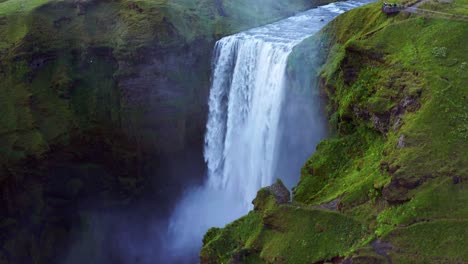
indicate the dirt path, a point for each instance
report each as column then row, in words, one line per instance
column 419, row 3
column 382, row 248
column 430, row 13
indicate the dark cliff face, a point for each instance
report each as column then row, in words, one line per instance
column 166, row 98
column 84, row 136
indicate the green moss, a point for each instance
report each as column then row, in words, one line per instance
column 286, row 233
column 221, row 244
column 345, row 167
column 440, row 241
column 457, row 7
column 20, row 135
column 18, row 6
column 62, row 98
column 380, row 105
column 264, row 201
column 440, row 199
column 297, row 235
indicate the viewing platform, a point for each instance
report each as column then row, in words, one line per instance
column 392, row 8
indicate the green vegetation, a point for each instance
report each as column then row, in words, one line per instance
column 440, row 199
column 396, row 160
column 284, row 234
column 439, row 241
column 298, row 235
column 224, row 243
column 351, row 156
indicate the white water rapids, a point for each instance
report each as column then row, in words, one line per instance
column 249, row 123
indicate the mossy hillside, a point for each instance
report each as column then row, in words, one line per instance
column 381, row 68
column 282, row 233
column 440, row 199
column 453, row 8
column 222, row 244
column 55, row 102
column 439, row 241
column 321, row 186
column 395, row 160
column 394, row 61
column 298, row 235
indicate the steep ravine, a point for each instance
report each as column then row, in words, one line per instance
column 389, row 184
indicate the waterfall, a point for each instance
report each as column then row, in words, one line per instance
column 246, row 99
column 245, row 105
column 255, row 117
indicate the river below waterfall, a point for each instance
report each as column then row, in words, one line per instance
column 260, row 125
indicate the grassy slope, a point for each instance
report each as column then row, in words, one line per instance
column 396, row 159
column 282, row 234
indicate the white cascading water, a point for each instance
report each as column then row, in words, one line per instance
column 245, row 105
column 249, row 86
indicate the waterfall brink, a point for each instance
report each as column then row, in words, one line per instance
column 260, row 125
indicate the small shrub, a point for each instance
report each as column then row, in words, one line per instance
column 439, row 52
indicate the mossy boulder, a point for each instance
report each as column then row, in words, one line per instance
column 271, row 196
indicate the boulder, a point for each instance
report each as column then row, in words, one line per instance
column 281, row 193
column 271, row 196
